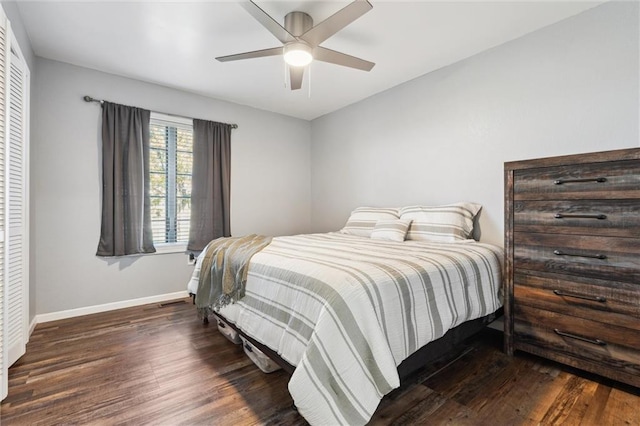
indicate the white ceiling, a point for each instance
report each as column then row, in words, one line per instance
column 174, row 44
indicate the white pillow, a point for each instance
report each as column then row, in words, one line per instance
column 364, row 219
column 391, row 229
column 450, row 223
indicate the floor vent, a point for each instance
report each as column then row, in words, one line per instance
column 171, row 303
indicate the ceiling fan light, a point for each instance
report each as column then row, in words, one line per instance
column 298, row 54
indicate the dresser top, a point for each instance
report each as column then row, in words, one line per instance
column 592, row 157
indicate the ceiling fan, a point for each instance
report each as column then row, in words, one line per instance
column 301, row 39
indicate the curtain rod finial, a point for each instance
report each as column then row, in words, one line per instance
column 90, row 99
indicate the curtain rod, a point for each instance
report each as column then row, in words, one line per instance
column 100, row 101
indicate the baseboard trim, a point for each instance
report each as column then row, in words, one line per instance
column 33, row 324
column 71, row 313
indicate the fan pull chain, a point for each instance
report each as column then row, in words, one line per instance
column 309, row 82
column 286, row 76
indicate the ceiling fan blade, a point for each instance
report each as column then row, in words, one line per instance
column 336, row 22
column 268, row 22
column 250, row 55
column 327, row 55
column 296, row 74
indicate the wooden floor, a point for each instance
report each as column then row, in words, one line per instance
column 161, row 366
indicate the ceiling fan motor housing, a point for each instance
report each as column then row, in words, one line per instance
column 297, row 53
column 298, row 23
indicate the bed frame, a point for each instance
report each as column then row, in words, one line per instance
column 423, row 357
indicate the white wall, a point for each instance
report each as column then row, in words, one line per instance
column 569, row 88
column 270, row 184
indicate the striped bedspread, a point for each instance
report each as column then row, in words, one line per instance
column 346, row 310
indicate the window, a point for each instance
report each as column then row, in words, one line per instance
column 170, row 166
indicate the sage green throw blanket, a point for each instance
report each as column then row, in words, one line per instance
column 223, row 272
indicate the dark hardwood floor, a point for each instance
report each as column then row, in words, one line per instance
column 161, row 366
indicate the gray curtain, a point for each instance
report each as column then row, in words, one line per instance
column 126, row 214
column 211, row 183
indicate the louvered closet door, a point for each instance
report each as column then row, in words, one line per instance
column 16, row 243
column 4, row 362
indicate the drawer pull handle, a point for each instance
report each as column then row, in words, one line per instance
column 581, row 338
column 580, row 296
column 597, row 180
column 580, row 216
column 248, row 347
column 590, row 256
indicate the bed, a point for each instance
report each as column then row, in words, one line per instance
column 344, row 311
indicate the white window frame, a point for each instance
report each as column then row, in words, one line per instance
column 170, row 247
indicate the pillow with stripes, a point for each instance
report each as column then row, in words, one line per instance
column 391, row 229
column 449, row 223
column 364, row 219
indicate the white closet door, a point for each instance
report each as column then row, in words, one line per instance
column 14, row 206
column 16, row 242
column 4, row 359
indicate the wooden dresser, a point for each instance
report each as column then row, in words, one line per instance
column 572, row 247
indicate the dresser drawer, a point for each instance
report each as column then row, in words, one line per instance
column 598, row 300
column 583, row 217
column 589, row 256
column 601, row 348
column 613, row 180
